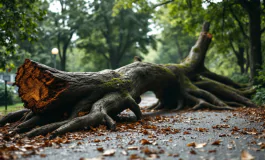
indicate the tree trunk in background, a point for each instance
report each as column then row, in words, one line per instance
column 253, row 9
column 114, row 61
column 247, row 60
column 63, row 61
column 240, row 60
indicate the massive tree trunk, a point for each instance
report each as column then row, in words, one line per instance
column 60, row 102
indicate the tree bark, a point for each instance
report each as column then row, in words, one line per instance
column 255, row 38
column 254, row 12
column 76, row 100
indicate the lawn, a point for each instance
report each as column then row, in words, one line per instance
column 10, row 108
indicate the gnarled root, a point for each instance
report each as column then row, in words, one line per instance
column 13, row 117
column 101, row 112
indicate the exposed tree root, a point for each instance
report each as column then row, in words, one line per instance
column 13, row 117
column 60, row 102
column 200, row 103
column 45, row 129
column 225, row 92
column 222, row 79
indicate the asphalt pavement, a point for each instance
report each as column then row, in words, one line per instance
column 188, row 135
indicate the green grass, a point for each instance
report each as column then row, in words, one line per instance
column 10, row 108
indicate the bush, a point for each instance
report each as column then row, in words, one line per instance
column 240, row 78
column 10, row 95
column 259, row 97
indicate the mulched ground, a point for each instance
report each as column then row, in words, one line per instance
column 176, row 135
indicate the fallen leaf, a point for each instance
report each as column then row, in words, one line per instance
column 196, row 145
column 230, row 146
column 96, row 158
column 201, row 129
column 132, row 148
column 200, row 145
column 235, row 129
column 192, row 152
column 145, row 132
column 100, row 149
column 212, row 151
column 147, row 151
column 192, row 144
column 153, row 156
column 79, row 143
column 131, row 142
column 262, row 145
column 134, row 156
column 217, row 142
column 124, row 152
column 43, row 155
column 144, row 142
column 246, row 156
column 109, row 152
column 223, row 135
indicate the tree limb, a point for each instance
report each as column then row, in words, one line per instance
column 244, row 3
column 163, row 3
column 239, row 23
column 105, row 56
column 233, row 48
column 58, row 45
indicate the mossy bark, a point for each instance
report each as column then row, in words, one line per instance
column 73, row 101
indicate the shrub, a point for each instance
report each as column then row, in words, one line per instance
column 259, row 97
column 240, row 78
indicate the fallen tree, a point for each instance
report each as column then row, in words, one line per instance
column 59, row 102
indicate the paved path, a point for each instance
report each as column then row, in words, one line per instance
column 171, row 136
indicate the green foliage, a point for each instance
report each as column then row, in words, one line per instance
column 140, row 5
column 240, row 78
column 115, row 38
column 18, row 20
column 261, row 77
column 229, row 26
column 174, row 46
column 259, row 97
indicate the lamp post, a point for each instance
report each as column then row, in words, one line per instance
column 55, row 51
column 6, row 78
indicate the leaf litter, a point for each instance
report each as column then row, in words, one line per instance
column 153, row 128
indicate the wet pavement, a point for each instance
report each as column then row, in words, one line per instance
column 184, row 135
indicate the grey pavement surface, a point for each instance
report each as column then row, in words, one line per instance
column 192, row 126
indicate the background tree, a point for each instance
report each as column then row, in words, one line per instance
column 66, row 20
column 115, row 37
column 228, row 38
column 186, row 11
column 174, row 41
column 18, row 20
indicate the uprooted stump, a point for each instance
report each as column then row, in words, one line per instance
column 59, row 102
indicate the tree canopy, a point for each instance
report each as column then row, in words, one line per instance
column 109, row 34
column 18, row 20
